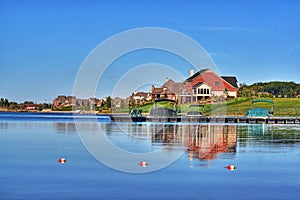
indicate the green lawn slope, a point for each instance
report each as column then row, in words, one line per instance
column 282, row 106
column 239, row 106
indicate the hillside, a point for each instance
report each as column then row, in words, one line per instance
column 282, row 106
column 239, row 106
column 270, row 89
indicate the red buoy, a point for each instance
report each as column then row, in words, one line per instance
column 231, row 167
column 143, row 164
column 62, row 160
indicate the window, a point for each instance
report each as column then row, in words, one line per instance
column 216, row 83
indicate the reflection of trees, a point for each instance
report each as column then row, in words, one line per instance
column 64, row 127
column 164, row 134
column 3, row 126
column 272, row 135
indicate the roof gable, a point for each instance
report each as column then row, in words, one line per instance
column 231, row 80
column 173, row 86
column 199, row 84
column 212, row 79
column 197, row 74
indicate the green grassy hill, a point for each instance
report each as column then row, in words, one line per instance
column 282, row 106
column 239, row 106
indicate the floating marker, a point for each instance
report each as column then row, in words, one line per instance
column 143, row 164
column 62, row 160
column 231, row 167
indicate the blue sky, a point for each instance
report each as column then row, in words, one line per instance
column 43, row 43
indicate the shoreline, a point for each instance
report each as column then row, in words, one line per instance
column 119, row 114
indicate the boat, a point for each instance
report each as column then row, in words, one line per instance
column 136, row 115
column 195, row 110
column 260, row 112
column 164, row 111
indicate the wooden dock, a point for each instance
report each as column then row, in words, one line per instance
column 209, row 119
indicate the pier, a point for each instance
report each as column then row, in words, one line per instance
column 209, row 119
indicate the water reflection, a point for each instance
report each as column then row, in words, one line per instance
column 272, row 136
column 64, row 128
column 206, row 141
column 200, row 141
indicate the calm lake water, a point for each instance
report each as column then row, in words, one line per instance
column 267, row 158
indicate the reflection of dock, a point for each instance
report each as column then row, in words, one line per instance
column 209, row 119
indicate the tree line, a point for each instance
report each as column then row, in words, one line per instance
column 270, row 89
column 5, row 103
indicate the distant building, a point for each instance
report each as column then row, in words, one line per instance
column 118, row 102
column 297, row 94
column 139, row 98
column 162, row 93
column 62, row 101
column 31, row 107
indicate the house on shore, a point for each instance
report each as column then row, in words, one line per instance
column 139, row 98
column 203, row 85
column 207, row 84
column 62, row 101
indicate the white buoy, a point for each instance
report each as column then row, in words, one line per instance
column 143, row 164
column 62, row 160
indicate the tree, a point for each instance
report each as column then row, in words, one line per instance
column 6, row 103
column 1, row 102
column 108, row 102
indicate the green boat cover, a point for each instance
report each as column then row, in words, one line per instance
column 258, row 112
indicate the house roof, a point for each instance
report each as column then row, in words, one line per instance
column 197, row 74
column 157, row 90
column 140, row 94
column 173, row 86
column 162, row 90
column 210, row 78
column 231, row 79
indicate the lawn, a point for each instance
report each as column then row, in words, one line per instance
column 282, row 106
column 239, row 106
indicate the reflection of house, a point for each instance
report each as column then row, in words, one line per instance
column 202, row 141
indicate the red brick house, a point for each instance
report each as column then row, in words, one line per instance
column 139, row 98
column 62, row 101
column 162, row 93
column 206, row 83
